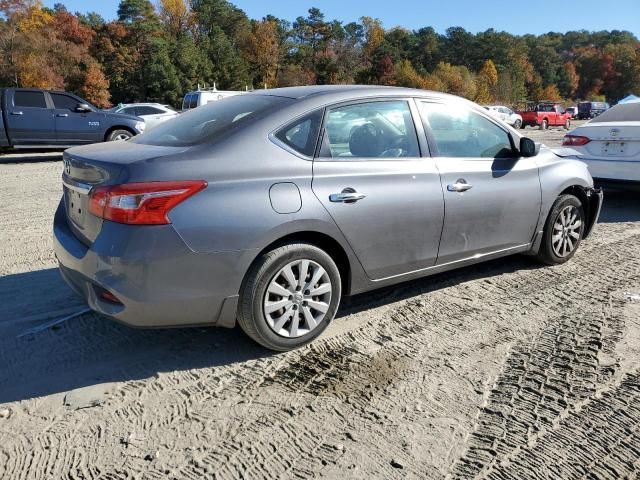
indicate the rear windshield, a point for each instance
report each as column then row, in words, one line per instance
column 207, row 123
column 627, row 112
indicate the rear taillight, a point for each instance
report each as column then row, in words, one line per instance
column 141, row 203
column 575, row 141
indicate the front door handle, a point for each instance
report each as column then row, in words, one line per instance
column 461, row 185
column 62, row 115
column 17, row 113
column 348, row 195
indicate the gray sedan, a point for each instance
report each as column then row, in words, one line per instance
column 251, row 210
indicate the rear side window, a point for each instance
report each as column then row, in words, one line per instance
column 302, row 134
column 149, row 111
column 64, row 102
column 382, row 129
column 29, row 99
column 210, row 122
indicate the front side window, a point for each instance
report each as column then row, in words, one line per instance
column 29, row 99
column 64, row 102
column 462, row 133
column 382, row 129
column 302, row 134
column 212, row 121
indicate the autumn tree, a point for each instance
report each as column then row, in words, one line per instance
column 550, row 93
column 373, row 36
column 177, row 16
column 406, row 76
column 486, row 82
column 262, row 51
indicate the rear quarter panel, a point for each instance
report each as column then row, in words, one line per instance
column 235, row 213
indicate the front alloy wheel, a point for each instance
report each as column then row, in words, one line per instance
column 563, row 231
column 567, row 231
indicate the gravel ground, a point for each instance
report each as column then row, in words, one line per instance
column 502, row 370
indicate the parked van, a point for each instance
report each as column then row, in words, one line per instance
column 202, row 97
column 589, row 110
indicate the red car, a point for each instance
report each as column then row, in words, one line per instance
column 545, row 115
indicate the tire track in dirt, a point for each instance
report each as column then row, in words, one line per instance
column 402, row 388
column 357, row 374
column 544, row 381
column 607, row 431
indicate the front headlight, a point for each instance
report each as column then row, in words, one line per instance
column 140, row 126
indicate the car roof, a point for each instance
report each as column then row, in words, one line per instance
column 338, row 91
column 144, row 104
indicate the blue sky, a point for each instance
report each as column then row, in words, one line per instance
column 514, row 16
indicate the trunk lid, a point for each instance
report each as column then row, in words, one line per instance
column 99, row 165
column 620, row 141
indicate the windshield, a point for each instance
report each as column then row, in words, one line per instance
column 209, row 122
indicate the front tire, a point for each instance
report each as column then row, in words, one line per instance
column 119, row 135
column 290, row 296
column 563, row 231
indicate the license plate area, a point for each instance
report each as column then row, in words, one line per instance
column 75, row 206
column 613, row 149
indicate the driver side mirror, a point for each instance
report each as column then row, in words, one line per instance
column 529, row 148
column 83, row 108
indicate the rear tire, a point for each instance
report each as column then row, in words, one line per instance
column 278, row 309
column 119, row 135
column 563, row 231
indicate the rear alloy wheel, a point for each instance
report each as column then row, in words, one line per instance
column 517, row 124
column 563, row 231
column 289, row 297
column 119, row 136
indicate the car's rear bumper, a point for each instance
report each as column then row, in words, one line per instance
column 157, row 279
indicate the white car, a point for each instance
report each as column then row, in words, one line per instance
column 505, row 114
column 152, row 113
column 202, row 97
column 610, row 144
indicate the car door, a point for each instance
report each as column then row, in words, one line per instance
column 506, row 115
column 384, row 197
column 74, row 127
column 152, row 116
column 29, row 119
column 492, row 197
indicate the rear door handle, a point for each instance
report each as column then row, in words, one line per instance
column 17, row 113
column 62, row 115
column 348, row 195
column 461, row 185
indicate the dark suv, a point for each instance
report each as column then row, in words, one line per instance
column 589, row 110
